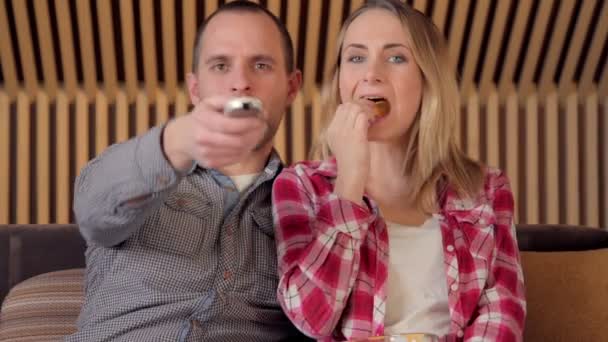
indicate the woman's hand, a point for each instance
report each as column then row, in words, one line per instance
column 347, row 138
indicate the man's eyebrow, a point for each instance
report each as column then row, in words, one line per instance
column 216, row 58
column 263, row 57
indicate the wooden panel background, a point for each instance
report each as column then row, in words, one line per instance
column 77, row 76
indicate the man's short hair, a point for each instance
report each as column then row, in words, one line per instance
column 251, row 7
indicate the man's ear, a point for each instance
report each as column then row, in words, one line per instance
column 193, row 92
column 294, row 84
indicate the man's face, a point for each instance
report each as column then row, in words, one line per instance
column 242, row 55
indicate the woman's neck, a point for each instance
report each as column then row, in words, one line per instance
column 389, row 187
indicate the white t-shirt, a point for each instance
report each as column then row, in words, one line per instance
column 242, row 182
column 417, row 293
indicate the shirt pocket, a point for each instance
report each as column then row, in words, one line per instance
column 179, row 226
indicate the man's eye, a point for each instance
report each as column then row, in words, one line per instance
column 220, row 67
column 262, row 66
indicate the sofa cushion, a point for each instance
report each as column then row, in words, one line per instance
column 43, row 308
column 567, row 295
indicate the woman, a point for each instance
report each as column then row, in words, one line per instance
column 396, row 231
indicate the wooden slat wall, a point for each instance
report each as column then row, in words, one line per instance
column 553, row 190
column 546, row 85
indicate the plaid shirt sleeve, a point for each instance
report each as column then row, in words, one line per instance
column 318, row 238
column 501, row 309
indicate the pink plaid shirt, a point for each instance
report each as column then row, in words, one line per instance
column 333, row 259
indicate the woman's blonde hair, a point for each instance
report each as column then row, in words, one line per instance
column 433, row 158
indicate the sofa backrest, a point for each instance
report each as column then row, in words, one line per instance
column 29, row 250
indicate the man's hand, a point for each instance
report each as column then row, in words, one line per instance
column 347, row 138
column 209, row 137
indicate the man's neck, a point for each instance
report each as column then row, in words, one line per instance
column 253, row 163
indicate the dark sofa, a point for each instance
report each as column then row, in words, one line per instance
column 565, row 270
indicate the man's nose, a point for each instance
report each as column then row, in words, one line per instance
column 241, row 82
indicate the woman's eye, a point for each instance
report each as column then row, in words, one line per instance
column 397, row 59
column 355, row 59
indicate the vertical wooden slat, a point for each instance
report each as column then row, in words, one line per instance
column 5, row 143
column 7, row 59
column 604, row 156
column 591, row 162
column 552, row 159
column 24, row 160
column 556, row 45
column 189, row 30
column 46, row 48
column 168, row 44
column 274, row 6
column 572, row 161
column 62, row 150
column 333, row 29
column 122, row 117
column 43, row 171
column 181, row 104
column 298, row 129
column 146, row 10
column 128, row 48
column 101, row 123
column 312, row 48
column 24, row 38
column 439, row 13
column 592, row 59
column 142, row 114
column 355, row 4
column 512, row 143
column 536, row 42
column 491, row 58
column 566, row 82
column 293, row 23
column 457, row 30
column 108, row 56
column 82, row 130
column 514, row 47
column 603, row 86
column 532, row 161
column 162, row 111
column 317, row 115
column 472, row 51
column 492, row 128
column 210, row 7
column 87, row 51
column 473, row 135
column 66, row 43
column 420, row 5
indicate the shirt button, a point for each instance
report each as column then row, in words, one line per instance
column 460, row 333
column 195, row 324
column 227, row 275
column 450, row 248
column 454, row 287
column 181, row 202
column 162, row 180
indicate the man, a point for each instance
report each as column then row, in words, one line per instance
column 178, row 221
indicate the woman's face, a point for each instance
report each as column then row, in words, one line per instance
column 377, row 63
